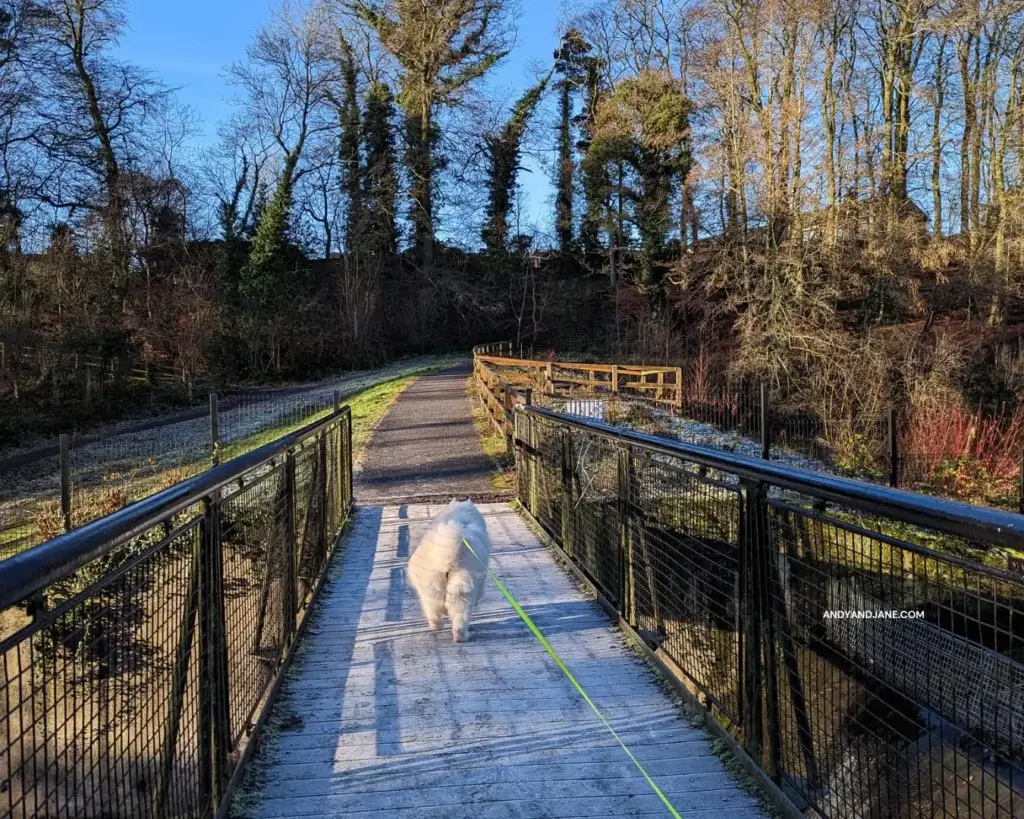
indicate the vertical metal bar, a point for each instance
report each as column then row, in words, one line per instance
column 567, row 493
column 624, row 512
column 214, row 430
column 350, row 490
column 65, row 480
column 752, row 593
column 766, row 432
column 894, row 465
column 337, row 401
column 289, row 549
column 213, row 670
column 323, row 525
column 205, row 698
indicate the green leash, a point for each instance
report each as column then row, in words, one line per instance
column 561, row 664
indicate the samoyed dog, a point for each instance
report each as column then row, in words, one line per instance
column 445, row 574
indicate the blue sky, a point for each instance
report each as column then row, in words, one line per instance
column 189, row 43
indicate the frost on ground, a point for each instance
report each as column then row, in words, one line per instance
column 643, row 417
column 135, row 463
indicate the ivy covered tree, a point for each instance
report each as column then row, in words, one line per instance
column 644, row 123
column 379, row 229
column 348, row 143
column 442, row 47
column 570, row 65
column 503, row 151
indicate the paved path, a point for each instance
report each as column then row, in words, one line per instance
column 390, row 719
column 427, row 448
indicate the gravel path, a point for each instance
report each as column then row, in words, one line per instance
column 427, row 447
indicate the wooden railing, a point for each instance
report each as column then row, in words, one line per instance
column 492, row 364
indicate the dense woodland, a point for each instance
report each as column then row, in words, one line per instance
column 824, row 194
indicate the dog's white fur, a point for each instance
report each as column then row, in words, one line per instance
column 446, row 576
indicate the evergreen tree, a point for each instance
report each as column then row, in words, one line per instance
column 503, row 155
column 348, row 115
column 569, row 64
column 644, row 123
column 442, row 46
column 379, row 231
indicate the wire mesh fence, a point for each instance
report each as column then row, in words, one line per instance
column 133, row 680
column 865, row 646
column 87, row 476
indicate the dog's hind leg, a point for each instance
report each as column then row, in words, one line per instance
column 432, row 603
column 459, row 602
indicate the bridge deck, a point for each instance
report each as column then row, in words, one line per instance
column 385, row 717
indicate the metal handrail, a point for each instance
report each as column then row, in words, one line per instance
column 32, row 570
column 951, row 517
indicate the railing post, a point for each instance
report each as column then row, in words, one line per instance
column 337, row 401
column 625, row 483
column 679, row 390
column 289, row 605
column 894, row 464
column 567, row 545
column 615, row 379
column 214, row 430
column 766, row 432
column 752, row 546
column 528, row 396
column 65, row 481
column 214, row 704
column 509, row 442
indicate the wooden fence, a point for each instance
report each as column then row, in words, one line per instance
column 21, row 365
column 518, row 378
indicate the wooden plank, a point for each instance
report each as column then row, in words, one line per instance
column 376, row 732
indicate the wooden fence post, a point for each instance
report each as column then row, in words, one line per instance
column 679, row 390
column 65, row 480
column 214, row 430
column 766, row 433
column 894, row 463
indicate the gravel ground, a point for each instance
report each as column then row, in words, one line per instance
column 128, row 459
column 427, row 447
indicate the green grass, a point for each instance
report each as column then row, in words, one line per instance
column 370, row 406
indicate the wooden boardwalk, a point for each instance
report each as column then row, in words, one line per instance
column 387, row 718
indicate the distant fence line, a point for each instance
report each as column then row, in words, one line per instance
column 873, row 448
column 82, row 476
column 21, row 364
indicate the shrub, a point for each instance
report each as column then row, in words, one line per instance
column 965, row 454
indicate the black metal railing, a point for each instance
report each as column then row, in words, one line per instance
column 747, row 579
column 141, row 651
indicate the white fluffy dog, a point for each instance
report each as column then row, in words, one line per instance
column 445, row 574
